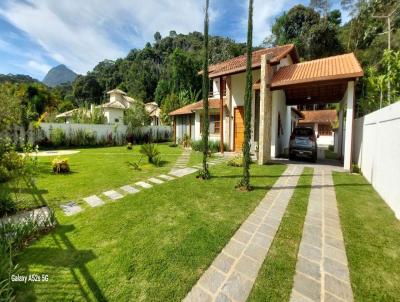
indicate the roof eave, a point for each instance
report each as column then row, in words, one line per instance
column 346, row 77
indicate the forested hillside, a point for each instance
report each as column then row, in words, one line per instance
column 168, row 65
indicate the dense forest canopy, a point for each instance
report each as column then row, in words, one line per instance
column 166, row 70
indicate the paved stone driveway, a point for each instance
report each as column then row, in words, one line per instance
column 322, row 272
column 232, row 274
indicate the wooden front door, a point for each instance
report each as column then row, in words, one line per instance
column 238, row 128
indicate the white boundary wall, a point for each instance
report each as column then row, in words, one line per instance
column 377, row 152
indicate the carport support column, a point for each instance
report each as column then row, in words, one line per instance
column 348, row 147
column 264, row 141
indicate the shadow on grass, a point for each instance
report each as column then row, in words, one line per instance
column 65, row 255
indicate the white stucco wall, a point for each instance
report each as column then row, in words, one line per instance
column 238, row 85
column 112, row 114
column 279, row 107
column 376, row 151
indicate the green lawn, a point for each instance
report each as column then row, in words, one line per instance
column 331, row 155
column 151, row 246
column 372, row 238
column 275, row 279
column 92, row 172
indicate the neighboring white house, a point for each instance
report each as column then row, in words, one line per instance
column 321, row 121
column 280, row 83
column 114, row 110
column 154, row 112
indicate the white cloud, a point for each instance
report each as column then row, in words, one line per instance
column 265, row 11
column 81, row 35
column 38, row 66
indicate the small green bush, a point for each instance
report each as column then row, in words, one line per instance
column 90, row 138
column 129, row 146
column 213, row 146
column 185, row 141
column 57, row 137
column 330, row 148
column 355, row 168
column 172, row 145
column 150, row 150
column 7, row 205
column 60, row 165
column 237, row 161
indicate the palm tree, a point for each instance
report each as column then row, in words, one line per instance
column 204, row 173
column 244, row 183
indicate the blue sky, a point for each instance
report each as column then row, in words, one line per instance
column 36, row 35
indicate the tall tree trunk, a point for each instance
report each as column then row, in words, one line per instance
column 205, row 174
column 244, row 184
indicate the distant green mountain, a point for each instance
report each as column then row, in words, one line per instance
column 16, row 78
column 58, row 75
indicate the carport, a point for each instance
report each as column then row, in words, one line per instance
column 322, row 81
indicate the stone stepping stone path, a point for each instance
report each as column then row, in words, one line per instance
column 114, row 195
column 182, row 172
column 94, row 201
column 71, row 208
column 130, row 190
column 322, row 272
column 143, row 184
column 166, row 177
column 183, row 160
column 232, row 274
column 156, row 181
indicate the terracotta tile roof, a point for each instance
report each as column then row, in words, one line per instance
column 189, row 109
column 332, row 68
column 318, row 116
column 238, row 64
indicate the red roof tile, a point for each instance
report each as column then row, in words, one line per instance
column 318, row 116
column 332, row 68
column 238, row 64
column 189, row 109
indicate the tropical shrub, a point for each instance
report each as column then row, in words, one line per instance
column 13, row 165
column 129, row 146
column 60, row 165
column 57, row 137
column 157, row 161
column 151, row 151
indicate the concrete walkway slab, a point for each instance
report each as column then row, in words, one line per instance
column 130, row 190
column 182, row 172
column 156, row 181
column 322, row 272
column 114, row 195
column 70, row 208
column 143, row 184
column 232, row 274
column 94, row 201
column 166, row 177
